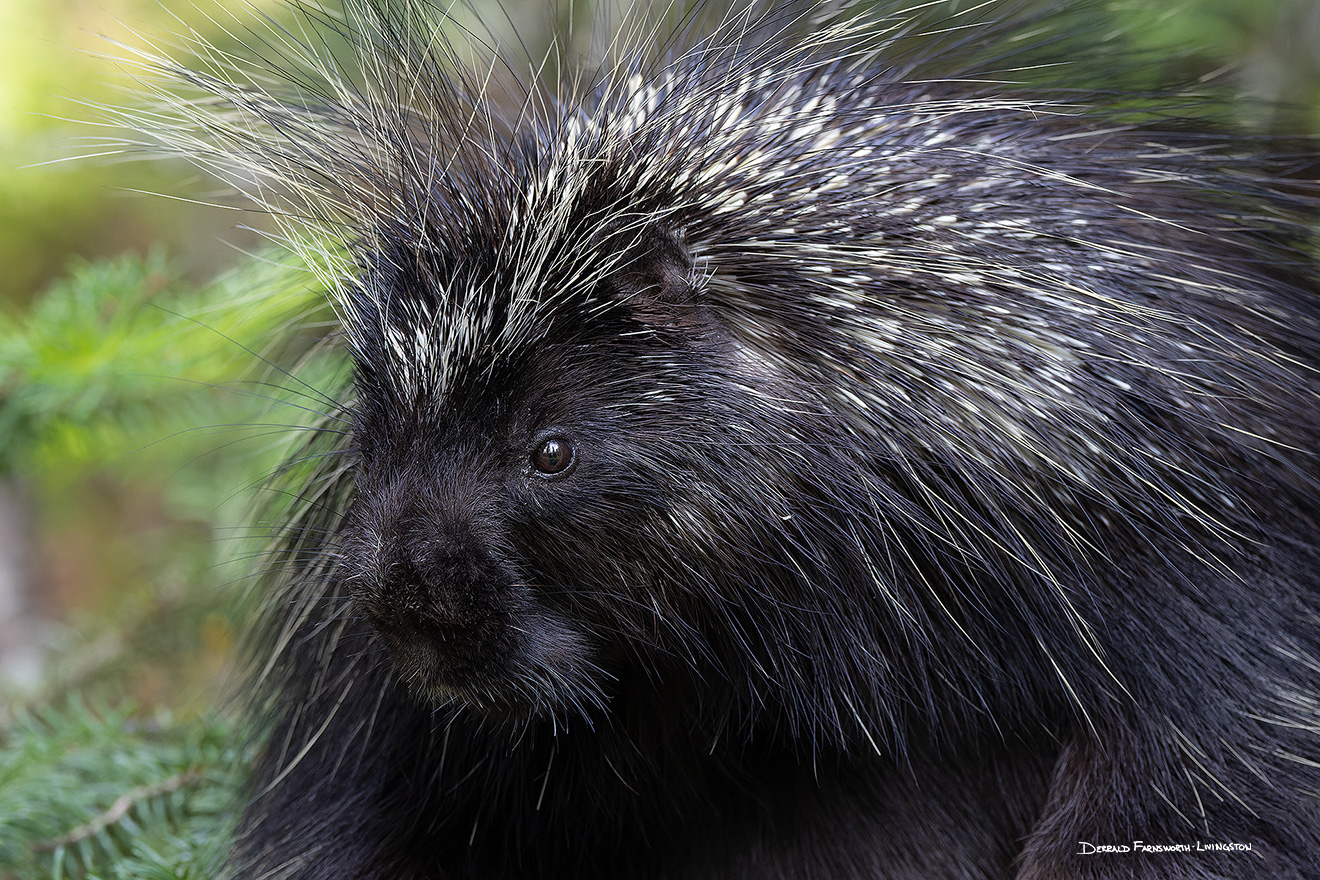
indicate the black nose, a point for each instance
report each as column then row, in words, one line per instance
column 437, row 569
column 436, row 594
column 425, row 540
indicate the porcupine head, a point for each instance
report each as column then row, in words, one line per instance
column 589, row 448
column 552, row 464
column 655, row 381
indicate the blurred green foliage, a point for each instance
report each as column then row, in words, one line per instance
column 142, row 413
column 106, row 793
column 59, row 64
column 133, row 397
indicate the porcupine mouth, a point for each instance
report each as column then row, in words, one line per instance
column 496, row 661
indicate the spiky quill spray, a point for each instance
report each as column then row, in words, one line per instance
column 777, row 451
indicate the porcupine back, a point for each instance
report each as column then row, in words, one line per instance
column 941, row 487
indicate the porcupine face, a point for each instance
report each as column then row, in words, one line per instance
column 508, row 463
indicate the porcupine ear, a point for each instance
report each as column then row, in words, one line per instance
column 659, row 285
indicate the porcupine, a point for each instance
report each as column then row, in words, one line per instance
column 778, row 451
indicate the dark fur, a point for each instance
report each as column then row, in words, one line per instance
column 1047, row 578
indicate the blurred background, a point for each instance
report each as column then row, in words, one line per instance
column 140, row 404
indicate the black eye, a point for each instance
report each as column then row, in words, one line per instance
column 553, row 457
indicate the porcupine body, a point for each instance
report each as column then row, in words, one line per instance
column 781, row 453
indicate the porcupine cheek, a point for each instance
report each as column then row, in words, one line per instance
column 451, row 610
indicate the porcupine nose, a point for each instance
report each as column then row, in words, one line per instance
column 414, row 548
column 449, row 569
column 436, row 577
column 430, row 586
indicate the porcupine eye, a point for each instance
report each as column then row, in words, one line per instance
column 554, row 457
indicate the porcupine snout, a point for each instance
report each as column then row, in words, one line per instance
column 426, row 570
column 432, row 576
column 429, row 564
